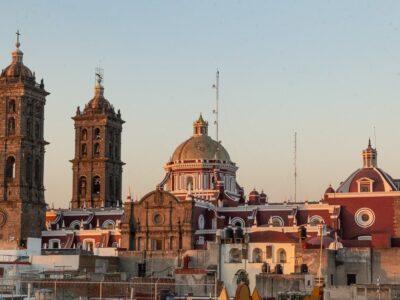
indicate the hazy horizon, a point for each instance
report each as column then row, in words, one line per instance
column 328, row 70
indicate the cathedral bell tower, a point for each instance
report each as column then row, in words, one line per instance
column 22, row 148
column 97, row 166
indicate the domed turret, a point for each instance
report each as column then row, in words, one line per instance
column 17, row 69
column 369, row 178
column 329, row 190
column 99, row 104
column 254, row 198
column 263, row 198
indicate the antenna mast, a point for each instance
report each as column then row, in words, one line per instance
column 216, row 110
column 295, row 166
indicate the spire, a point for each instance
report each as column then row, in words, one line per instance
column 200, row 127
column 369, row 156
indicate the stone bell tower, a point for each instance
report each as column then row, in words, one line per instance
column 22, row 148
column 97, row 166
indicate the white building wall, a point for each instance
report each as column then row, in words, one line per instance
column 229, row 270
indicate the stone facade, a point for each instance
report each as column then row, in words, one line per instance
column 97, row 166
column 22, row 205
column 158, row 222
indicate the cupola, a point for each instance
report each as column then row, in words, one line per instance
column 369, row 156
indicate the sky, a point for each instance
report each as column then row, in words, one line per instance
column 328, row 70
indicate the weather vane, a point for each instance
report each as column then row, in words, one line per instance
column 99, row 75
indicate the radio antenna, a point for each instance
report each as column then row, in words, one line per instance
column 374, row 137
column 216, row 110
column 295, row 166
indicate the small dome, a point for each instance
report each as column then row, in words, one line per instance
column 254, row 198
column 99, row 103
column 329, row 190
column 254, row 193
column 17, row 69
column 263, row 197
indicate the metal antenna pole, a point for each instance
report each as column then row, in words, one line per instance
column 374, row 137
column 295, row 166
column 216, row 110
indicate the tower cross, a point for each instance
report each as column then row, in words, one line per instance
column 18, row 34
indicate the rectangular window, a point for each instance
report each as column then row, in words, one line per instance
column 156, row 245
column 351, row 279
column 364, row 187
column 268, row 252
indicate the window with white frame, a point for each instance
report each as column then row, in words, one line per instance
column 54, row 244
column 108, row 224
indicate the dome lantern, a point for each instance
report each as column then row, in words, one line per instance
column 369, row 156
column 200, row 127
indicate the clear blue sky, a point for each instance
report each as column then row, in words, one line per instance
column 329, row 70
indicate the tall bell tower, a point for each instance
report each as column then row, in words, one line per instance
column 22, row 148
column 97, row 166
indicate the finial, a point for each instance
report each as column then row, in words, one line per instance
column 369, row 143
column 99, row 73
column 18, row 44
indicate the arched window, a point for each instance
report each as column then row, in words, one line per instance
column 10, row 168
column 97, row 134
column 11, row 126
column 96, row 185
column 277, row 221
column 11, row 106
column 96, row 149
column 189, row 183
column 238, row 222
column 82, row 187
column 242, row 277
column 281, row 255
column 28, row 170
column 201, row 222
column 37, row 130
column 235, row 255
column 75, row 225
column 28, row 127
column 257, row 255
column 84, row 135
column 108, row 224
column 213, row 182
column 316, row 220
column 83, row 150
column 38, row 172
column 111, row 186
column 110, row 150
column 117, row 188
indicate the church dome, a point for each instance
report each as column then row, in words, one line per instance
column 17, row 69
column 369, row 178
column 200, row 146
